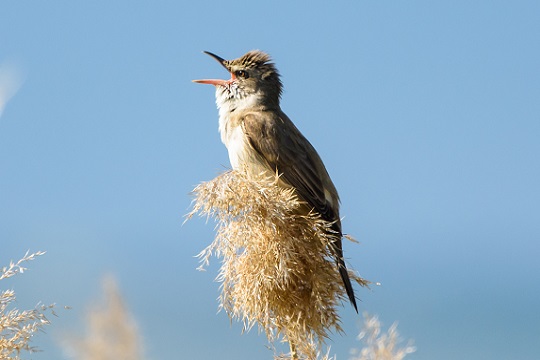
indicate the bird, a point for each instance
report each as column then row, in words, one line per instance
column 261, row 139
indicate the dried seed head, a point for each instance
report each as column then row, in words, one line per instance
column 277, row 267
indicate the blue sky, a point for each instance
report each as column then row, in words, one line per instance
column 426, row 113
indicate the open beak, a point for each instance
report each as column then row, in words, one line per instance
column 216, row 82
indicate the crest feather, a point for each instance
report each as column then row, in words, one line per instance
column 255, row 58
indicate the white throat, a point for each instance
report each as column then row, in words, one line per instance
column 230, row 126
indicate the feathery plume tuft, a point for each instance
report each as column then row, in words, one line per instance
column 277, row 268
column 380, row 346
column 18, row 327
column 10, row 82
column 111, row 330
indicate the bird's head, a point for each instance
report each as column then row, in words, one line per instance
column 254, row 81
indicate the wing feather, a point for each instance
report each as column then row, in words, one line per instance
column 288, row 152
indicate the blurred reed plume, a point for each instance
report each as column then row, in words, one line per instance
column 277, row 267
column 379, row 345
column 111, row 331
column 10, row 82
column 18, row 327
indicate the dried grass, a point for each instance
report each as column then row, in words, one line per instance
column 18, row 327
column 378, row 345
column 277, row 266
column 111, row 331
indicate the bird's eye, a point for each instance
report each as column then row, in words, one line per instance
column 242, row 73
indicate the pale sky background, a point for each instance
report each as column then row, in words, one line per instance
column 426, row 113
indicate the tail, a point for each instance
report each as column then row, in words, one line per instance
column 347, row 282
column 338, row 252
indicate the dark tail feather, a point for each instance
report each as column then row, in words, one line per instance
column 347, row 282
column 338, row 253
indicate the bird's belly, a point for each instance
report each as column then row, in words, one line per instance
column 244, row 158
